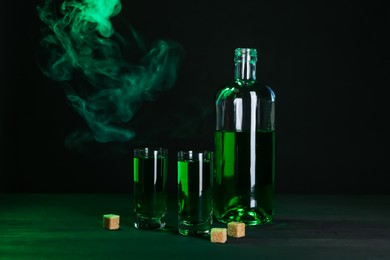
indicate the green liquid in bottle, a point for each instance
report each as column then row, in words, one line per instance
column 245, row 168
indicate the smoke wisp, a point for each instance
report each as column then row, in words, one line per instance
column 81, row 48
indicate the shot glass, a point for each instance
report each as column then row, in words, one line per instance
column 195, row 192
column 150, row 187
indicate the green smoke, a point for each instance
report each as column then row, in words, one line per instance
column 81, row 45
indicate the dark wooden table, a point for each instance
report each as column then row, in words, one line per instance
column 69, row 226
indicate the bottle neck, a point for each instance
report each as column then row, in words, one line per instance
column 245, row 64
column 245, row 71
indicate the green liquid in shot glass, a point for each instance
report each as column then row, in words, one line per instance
column 195, row 194
column 150, row 193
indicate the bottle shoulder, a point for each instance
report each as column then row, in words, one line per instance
column 240, row 88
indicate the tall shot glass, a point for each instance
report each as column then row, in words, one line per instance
column 150, row 187
column 195, row 192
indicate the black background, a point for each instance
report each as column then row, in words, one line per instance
column 327, row 62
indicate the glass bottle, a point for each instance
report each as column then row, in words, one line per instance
column 245, row 146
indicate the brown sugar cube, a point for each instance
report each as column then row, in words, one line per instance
column 236, row 229
column 218, row 235
column 111, row 221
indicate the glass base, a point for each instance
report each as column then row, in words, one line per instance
column 188, row 229
column 148, row 223
column 251, row 217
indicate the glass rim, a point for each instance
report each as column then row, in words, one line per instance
column 194, row 154
column 150, row 151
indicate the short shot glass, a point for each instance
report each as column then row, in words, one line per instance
column 195, row 192
column 150, row 187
